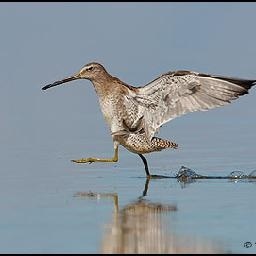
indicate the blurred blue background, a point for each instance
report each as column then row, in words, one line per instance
column 42, row 130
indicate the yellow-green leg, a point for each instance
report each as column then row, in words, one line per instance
column 92, row 159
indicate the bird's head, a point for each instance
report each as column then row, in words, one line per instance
column 90, row 71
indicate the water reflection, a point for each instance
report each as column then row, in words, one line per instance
column 142, row 227
column 138, row 228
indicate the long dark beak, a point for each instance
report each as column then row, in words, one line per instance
column 65, row 80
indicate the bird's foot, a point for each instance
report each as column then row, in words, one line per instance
column 92, row 160
column 84, row 160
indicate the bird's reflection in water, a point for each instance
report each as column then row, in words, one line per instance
column 141, row 227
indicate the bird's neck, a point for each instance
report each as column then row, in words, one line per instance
column 100, row 88
column 105, row 85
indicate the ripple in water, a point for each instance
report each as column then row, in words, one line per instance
column 252, row 174
column 237, row 175
column 185, row 173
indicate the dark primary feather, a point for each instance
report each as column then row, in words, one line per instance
column 176, row 93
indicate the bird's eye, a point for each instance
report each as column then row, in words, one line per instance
column 90, row 69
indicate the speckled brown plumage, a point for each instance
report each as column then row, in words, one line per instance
column 135, row 114
column 140, row 144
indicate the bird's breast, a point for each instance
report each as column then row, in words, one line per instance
column 117, row 115
column 107, row 108
column 112, row 110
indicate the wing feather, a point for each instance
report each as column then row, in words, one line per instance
column 176, row 93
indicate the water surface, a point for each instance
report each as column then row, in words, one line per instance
column 41, row 212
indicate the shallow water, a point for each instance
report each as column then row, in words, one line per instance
column 46, row 205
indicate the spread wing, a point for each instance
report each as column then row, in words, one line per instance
column 176, row 93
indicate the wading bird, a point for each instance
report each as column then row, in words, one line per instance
column 135, row 114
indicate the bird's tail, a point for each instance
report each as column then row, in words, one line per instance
column 162, row 144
